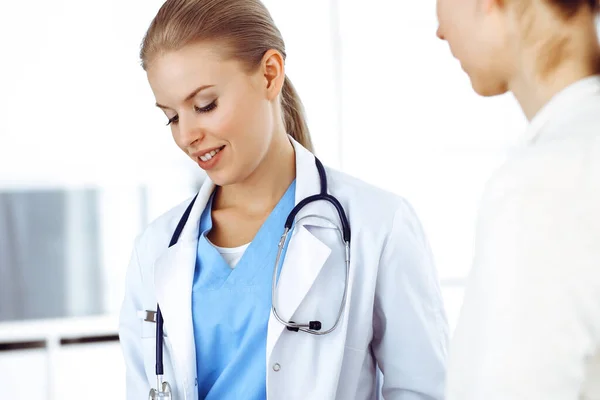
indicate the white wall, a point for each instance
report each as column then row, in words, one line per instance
column 75, row 105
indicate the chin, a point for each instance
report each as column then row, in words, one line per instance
column 225, row 177
column 488, row 87
column 219, row 178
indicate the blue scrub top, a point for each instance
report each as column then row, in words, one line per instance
column 231, row 309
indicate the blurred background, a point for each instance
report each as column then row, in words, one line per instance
column 86, row 160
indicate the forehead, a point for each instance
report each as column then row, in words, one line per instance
column 173, row 74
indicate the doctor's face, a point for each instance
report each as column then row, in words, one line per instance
column 218, row 112
column 476, row 34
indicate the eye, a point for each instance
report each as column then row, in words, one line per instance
column 207, row 108
column 173, row 120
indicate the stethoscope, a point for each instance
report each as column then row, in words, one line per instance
column 163, row 388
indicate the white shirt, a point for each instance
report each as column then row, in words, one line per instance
column 530, row 323
column 231, row 255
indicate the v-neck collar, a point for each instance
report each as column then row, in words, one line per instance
column 212, row 271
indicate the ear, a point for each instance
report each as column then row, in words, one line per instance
column 273, row 69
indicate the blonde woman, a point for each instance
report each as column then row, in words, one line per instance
column 354, row 288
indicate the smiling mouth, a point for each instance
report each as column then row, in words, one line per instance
column 208, row 156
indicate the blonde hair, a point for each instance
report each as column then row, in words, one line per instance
column 248, row 32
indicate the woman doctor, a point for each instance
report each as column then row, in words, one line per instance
column 216, row 68
column 530, row 324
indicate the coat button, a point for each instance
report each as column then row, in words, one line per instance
column 276, row 367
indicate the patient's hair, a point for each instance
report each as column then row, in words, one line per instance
column 568, row 8
column 554, row 47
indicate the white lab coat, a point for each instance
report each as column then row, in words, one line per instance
column 394, row 317
column 530, row 324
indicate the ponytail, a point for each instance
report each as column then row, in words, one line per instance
column 293, row 115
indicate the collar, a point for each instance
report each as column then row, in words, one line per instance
column 560, row 105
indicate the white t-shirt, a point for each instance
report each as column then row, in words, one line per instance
column 232, row 255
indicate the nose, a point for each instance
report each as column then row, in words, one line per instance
column 439, row 33
column 190, row 130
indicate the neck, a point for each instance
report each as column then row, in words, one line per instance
column 263, row 189
column 533, row 90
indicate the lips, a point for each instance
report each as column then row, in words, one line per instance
column 208, row 158
column 210, row 154
column 207, row 154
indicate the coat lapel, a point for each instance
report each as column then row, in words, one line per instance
column 173, row 277
column 305, row 257
column 306, row 254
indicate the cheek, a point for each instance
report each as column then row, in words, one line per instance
column 468, row 45
column 245, row 120
column 458, row 20
column 449, row 13
column 226, row 123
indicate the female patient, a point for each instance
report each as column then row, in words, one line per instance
column 530, row 325
column 217, row 71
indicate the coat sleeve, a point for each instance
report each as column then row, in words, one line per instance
column 410, row 326
column 130, row 331
column 531, row 313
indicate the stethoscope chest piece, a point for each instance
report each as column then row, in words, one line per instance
column 164, row 393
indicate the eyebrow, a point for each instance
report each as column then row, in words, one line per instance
column 189, row 96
